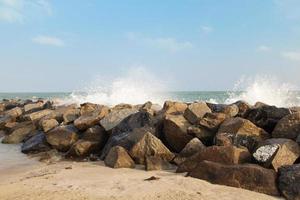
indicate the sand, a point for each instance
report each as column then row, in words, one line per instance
column 92, row 180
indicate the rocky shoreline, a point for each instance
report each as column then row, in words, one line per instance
column 255, row 147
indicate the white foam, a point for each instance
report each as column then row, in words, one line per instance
column 265, row 89
column 137, row 86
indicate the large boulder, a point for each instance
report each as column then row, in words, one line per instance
column 14, row 112
column 91, row 119
column 196, row 111
column 71, row 115
column 247, row 176
column 206, row 136
column 266, row 117
column 4, row 120
column 230, row 110
column 175, row 131
column 289, row 181
column 62, row 137
column 288, row 127
column 243, row 108
column 149, row 145
column 157, row 163
column 36, row 106
column 112, row 119
column 242, row 132
column 35, row 144
column 118, row 158
column 277, row 152
column 48, row 124
column 19, row 133
column 83, row 148
column 59, row 111
column 96, row 134
column 221, row 154
column 89, row 108
column 171, row 107
column 212, row 121
column 36, row 116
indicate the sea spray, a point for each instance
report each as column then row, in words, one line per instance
column 137, row 86
column 269, row 90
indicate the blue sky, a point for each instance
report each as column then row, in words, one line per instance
column 58, row 45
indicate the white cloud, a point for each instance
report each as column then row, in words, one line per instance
column 166, row 43
column 263, row 48
column 17, row 10
column 206, row 29
column 48, row 40
column 291, row 55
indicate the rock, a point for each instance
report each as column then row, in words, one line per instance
column 89, row 108
column 4, row 120
column 151, row 108
column 96, row 134
column 48, row 124
column 36, row 116
column 2, row 133
column 230, row 110
column 206, row 136
column 61, row 110
column 212, row 121
column 289, row 181
column 2, row 107
column 14, row 113
column 36, row 106
column 135, row 120
column 86, row 121
column 175, row 131
column 157, row 163
column 126, row 139
column 83, row 148
column 247, row 176
column 118, row 158
column 266, row 117
column 191, row 148
column 50, row 157
column 35, row 144
column 242, row 132
column 71, row 115
column 277, row 152
column 220, row 154
column 62, row 137
column 115, row 117
column 196, row 111
column 19, row 133
column 149, row 145
column 288, row 127
column 174, row 107
column 243, row 108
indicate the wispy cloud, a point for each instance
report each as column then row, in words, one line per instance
column 291, row 55
column 263, row 48
column 17, row 10
column 206, row 29
column 166, row 43
column 48, row 40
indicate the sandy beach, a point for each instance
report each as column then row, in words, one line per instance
column 92, row 180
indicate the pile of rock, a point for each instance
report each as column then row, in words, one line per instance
column 239, row 145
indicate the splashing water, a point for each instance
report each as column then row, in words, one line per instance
column 265, row 89
column 136, row 87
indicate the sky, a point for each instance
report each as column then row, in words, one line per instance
column 55, row 45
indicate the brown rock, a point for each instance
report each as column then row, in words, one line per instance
column 118, row 158
column 48, row 124
column 36, row 106
column 243, row 132
column 36, row 116
column 206, row 136
column 96, row 133
column 230, row 110
column 60, row 110
column 247, row 176
column 19, row 133
column 196, row 111
column 157, row 163
column 288, row 127
column 175, row 131
column 149, row 145
column 89, row 108
column 83, row 148
column 174, row 107
column 71, row 115
column 221, row 154
column 62, row 137
column 277, row 152
column 14, row 113
column 4, row 120
column 212, row 121
column 191, row 148
column 289, row 181
column 243, row 108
